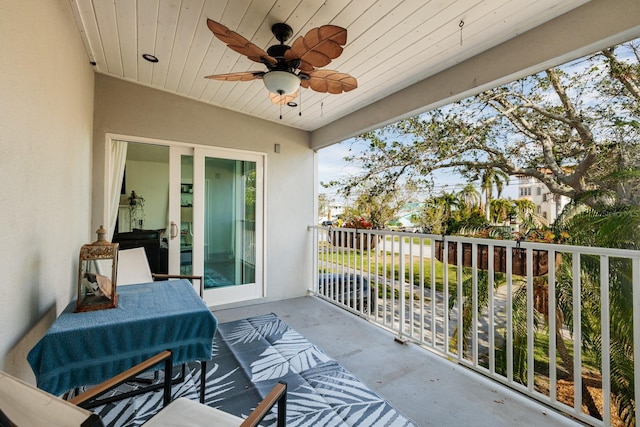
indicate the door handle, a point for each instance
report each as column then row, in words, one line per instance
column 173, row 233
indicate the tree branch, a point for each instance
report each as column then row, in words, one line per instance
column 624, row 78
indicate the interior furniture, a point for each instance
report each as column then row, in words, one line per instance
column 88, row 348
column 185, row 412
column 151, row 241
column 186, row 218
column 25, row 405
column 123, row 223
column 186, row 259
column 134, row 268
column 88, row 398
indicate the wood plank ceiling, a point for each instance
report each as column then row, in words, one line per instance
column 390, row 44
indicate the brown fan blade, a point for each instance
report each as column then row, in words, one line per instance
column 237, row 77
column 318, row 47
column 282, row 99
column 238, row 43
column 330, row 81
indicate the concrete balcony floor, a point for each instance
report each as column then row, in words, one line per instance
column 427, row 388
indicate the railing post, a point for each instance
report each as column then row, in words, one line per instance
column 315, row 257
column 474, row 304
column 432, row 295
column 360, row 293
column 410, row 283
column 635, row 271
column 459, row 289
column 401, row 296
column 606, row 337
column 384, row 281
column 577, row 333
column 445, row 295
column 491, row 309
column 553, row 371
column 509, row 316
column 530, row 328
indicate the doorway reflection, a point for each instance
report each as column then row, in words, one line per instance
column 229, row 222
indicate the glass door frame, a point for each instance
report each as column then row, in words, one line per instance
column 216, row 296
column 234, row 293
column 175, row 204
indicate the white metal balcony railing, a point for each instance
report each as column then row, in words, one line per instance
column 392, row 279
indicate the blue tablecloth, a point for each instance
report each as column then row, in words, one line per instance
column 91, row 347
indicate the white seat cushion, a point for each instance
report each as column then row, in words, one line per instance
column 26, row 405
column 185, row 412
column 133, row 267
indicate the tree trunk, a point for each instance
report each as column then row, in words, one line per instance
column 567, row 363
column 487, row 206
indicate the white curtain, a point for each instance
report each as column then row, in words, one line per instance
column 116, row 174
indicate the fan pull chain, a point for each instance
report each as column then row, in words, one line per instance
column 300, row 112
column 461, row 24
column 280, row 110
column 322, row 110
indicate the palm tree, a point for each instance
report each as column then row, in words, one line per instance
column 449, row 202
column 489, row 178
column 470, row 196
column 501, row 210
column 613, row 226
column 525, row 211
column 563, row 317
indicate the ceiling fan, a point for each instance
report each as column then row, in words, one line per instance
column 289, row 67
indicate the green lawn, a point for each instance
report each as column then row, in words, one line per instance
column 407, row 239
column 365, row 259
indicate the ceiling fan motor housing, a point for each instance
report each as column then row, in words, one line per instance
column 281, row 31
column 290, row 67
column 277, row 51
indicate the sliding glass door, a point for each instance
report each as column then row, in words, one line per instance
column 181, row 211
column 221, row 221
column 207, row 206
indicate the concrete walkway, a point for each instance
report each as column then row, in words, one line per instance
column 407, row 246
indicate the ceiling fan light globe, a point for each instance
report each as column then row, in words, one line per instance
column 281, row 82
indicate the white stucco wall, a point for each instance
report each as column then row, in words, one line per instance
column 124, row 108
column 150, row 180
column 46, row 109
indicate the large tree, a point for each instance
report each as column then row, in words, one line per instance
column 567, row 127
column 576, row 129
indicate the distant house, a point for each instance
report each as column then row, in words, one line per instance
column 404, row 221
column 333, row 212
column 548, row 205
